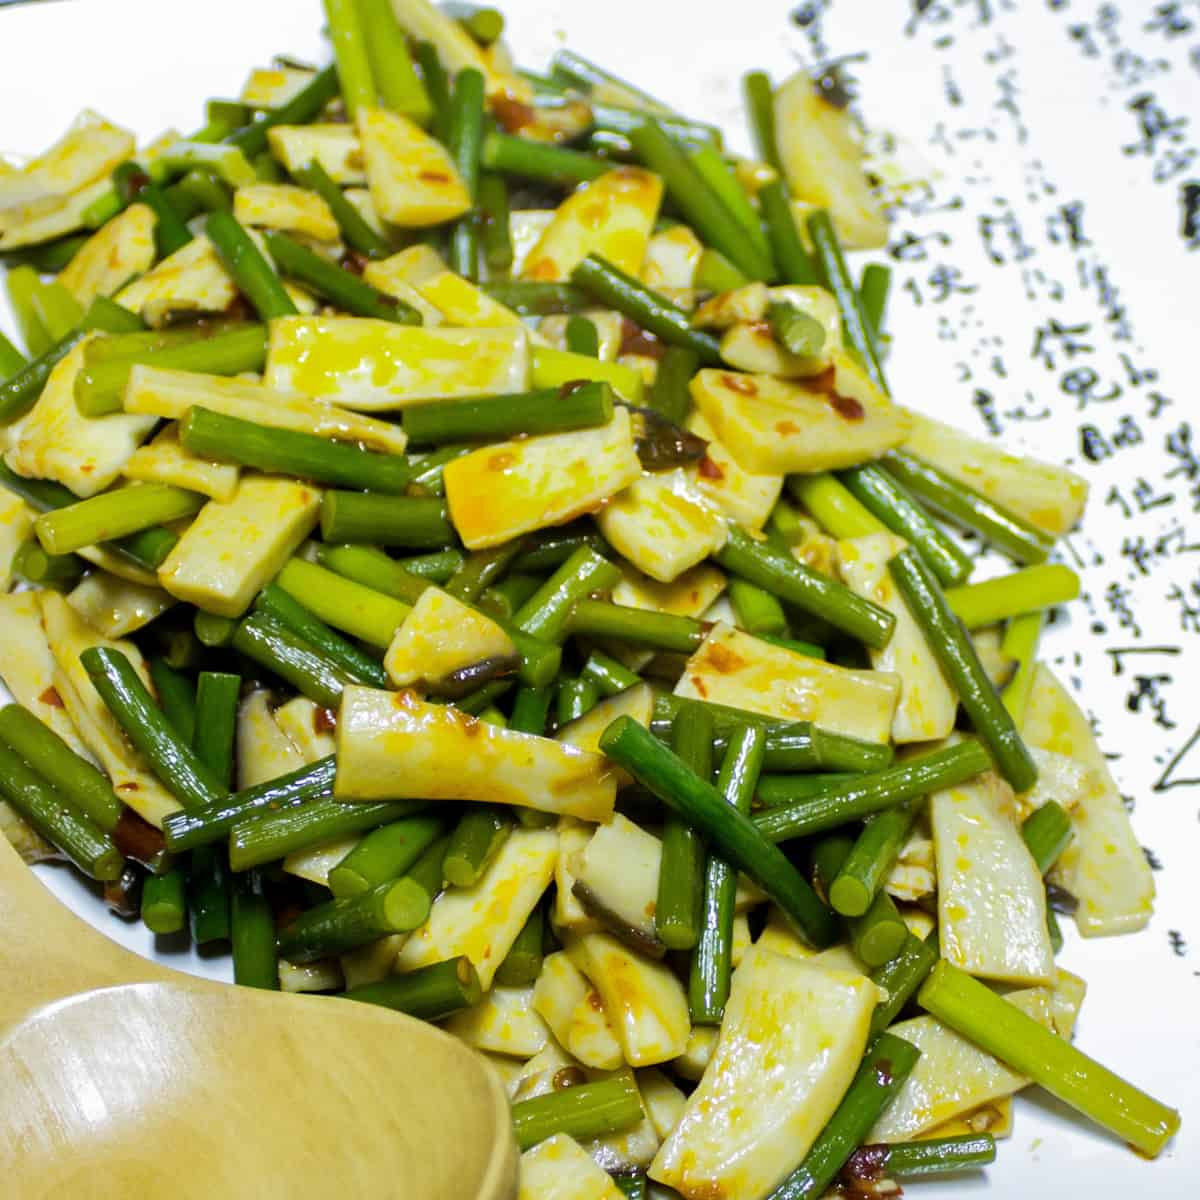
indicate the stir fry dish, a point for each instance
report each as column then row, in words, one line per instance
column 461, row 551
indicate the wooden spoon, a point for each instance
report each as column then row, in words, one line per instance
column 119, row 1077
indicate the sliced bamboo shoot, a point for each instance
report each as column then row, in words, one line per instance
column 115, row 607
column 1103, row 867
column 231, row 550
column 193, row 279
column 165, row 460
column 68, row 636
column 503, row 1022
column 392, row 745
column 617, row 881
column 643, row 999
column 791, row 1040
column 560, row 1169
column 1048, row 496
column 264, row 751
column 285, row 206
column 744, row 496
column 613, row 216
column 483, row 921
column 927, row 705
column 573, row 1010
column 171, row 393
column 441, row 635
column 734, row 668
column 501, row 491
column 375, row 366
column 787, row 426
column 54, row 440
column 991, row 899
column 112, row 256
column 335, row 146
column 309, row 726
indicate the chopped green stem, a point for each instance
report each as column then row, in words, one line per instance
column 228, row 163
column 495, row 237
column 164, row 902
column 638, row 626
column 396, row 80
column 170, row 757
column 420, row 522
column 871, row 860
column 833, row 506
column 202, row 827
column 613, row 288
column 807, row 649
column 354, row 227
column 593, row 79
column 481, row 569
column 212, row 630
column 588, row 1110
column 575, row 698
column 428, row 993
column 608, row 675
column 22, row 284
column 1024, row 591
column 547, row 613
column 339, row 287
column 355, row 79
column 669, row 393
column 757, row 611
column 900, row 977
column 11, row 359
column 1021, row 638
column 475, row 842
column 760, row 108
column 57, row 308
column 396, row 906
column 791, row 581
column 873, row 288
column 887, row 499
column 1047, row 832
column 88, row 846
column 287, row 452
column 176, row 697
column 523, row 962
column 882, row 1074
column 208, row 896
column 437, row 567
column 20, row 391
column 795, row 264
column 879, row 934
column 250, row 270
column 532, row 299
column 112, row 515
column 531, row 709
column 970, row 509
column 133, row 185
column 955, row 652
column 836, row 277
column 921, row 1160
column 712, row 962
column 464, row 139
column 733, row 835
column 198, row 191
column 711, row 165
column 679, row 912
column 869, row 793
column 715, row 273
column 506, row 154
column 582, row 337
column 76, row 780
column 385, row 853
column 373, row 569
column 700, row 205
column 549, row 410
column 100, row 387
column 973, row 1010
column 272, row 644
column 437, row 87
column 34, row 565
column 795, row 330
column 553, row 547
column 504, row 599
column 277, row 602
column 430, row 468
column 268, row 835
column 252, row 934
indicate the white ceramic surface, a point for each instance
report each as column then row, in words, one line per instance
column 1057, row 140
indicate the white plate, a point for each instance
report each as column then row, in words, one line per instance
column 1021, row 120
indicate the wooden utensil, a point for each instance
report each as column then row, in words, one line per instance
column 121, row 1078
